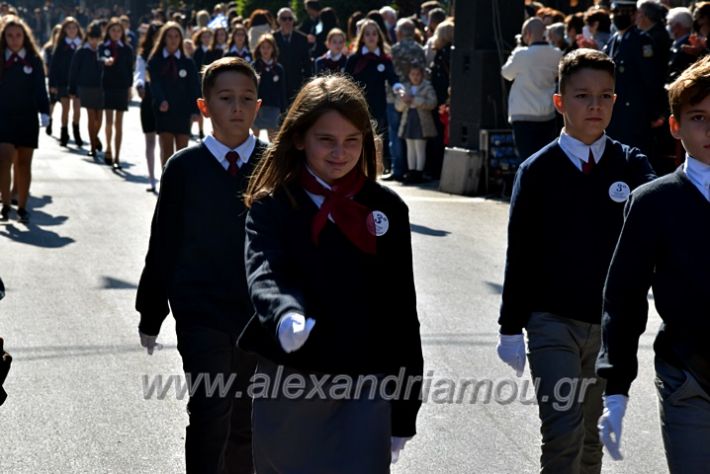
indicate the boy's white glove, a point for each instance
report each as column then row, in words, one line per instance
column 43, row 120
column 397, row 446
column 610, row 424
column 149, row 342
column 293, row 331
column 511, row 350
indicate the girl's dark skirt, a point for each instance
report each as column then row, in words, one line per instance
column 147, row 113
column 91, row 97
column 177, row 122
column 316, row 435
column 116, row 99
column 20, row 130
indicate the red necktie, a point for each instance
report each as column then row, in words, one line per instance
column 589, row 165
column 232, row 157
column 114, row 50
column 170, row 67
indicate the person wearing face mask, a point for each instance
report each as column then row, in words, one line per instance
column 637, row 108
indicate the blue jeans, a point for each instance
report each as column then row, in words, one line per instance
column 395, row 143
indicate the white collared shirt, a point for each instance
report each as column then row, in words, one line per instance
column 21, row 53
column 330, row 56
column 139, row 74
column 108, row 43
column 204, row 48
column 242, row 51
column 318, row 199
column 166, row 53
column 219, row 150
column 578, row 152
column 364, row 50
column 76, row 41
column 699, row 174
column 87, row 45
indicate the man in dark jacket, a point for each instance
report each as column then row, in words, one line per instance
column 294, row 53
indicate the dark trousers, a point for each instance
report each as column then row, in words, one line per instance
column 531, row 136
column 218, row 438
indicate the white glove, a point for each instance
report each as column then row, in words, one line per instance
column 43, row 120
column 149, row 342
column 293, row 331
column 610, row 424
column 511, row 350
column 397, row 446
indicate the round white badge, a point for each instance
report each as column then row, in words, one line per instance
column 182, row 73
column 107, row 53
column 377, row 223
column 381, row 67
column 276, row 78
column 27, row 69
column 619, row 191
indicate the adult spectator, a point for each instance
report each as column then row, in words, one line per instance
column 598, row 28
column 436, row 16
column 574, row 26
column 294, row 53
column 376, row 16
column 389, row 14
column 637, row 81
column 328, row 21
column 556, row 36
column 680, row 25
column 130, row 34
column 533, row 70
column 550, row 16
column 259, row 24
column 651, row 19
column 310, row 23
column 352, row 28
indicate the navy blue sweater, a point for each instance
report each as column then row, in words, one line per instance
column 373, row 76
column 562, row 231
column 338, row 286
column 665, row 244
column 22, row 88
column 120, row 74
column 195, row 257
column 272, row 84
column 325, row 65
column 86, row 70
column 61, row 62
column 181, row 93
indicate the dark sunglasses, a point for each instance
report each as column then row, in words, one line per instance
column 286, row 18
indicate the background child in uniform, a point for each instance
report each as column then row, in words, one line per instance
column 47, row 51
column 117, row 80
column 239, row 44
column 85, row 82
column 218, row 46
column 174, row 84
column 69, row 41
column 23, row 96
column 334, row 59
column 202, row 39
column 272, row 86
column 323, row 238
column 416, row 100
column 195, row 267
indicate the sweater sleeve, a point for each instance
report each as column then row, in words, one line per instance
column 511, row 68
column 156, row 83
column 643, row 171
column 54, row 69
column 271, row 289
column 515, row 311
column 426, row 99
column 406, row 407
column 625, row 310
column 152, row 296
column 40, row 87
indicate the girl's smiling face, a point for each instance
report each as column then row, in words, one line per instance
column 266, row 50
column 115, row 32
column 206, row 38
column 336, row 44
column 71, row 30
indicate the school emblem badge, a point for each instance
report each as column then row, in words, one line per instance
column 182, row 73
column 377, row 223
column 619, row 191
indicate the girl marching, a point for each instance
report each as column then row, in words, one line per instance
column 323, row 238
column 218, row 46
column 272, row 86
column 239, row 43
column 333, row 60
column 23, row 95
column 175, row 87
column 85, row 82
column 117, row 81
column 69, row 41
column 202, row 40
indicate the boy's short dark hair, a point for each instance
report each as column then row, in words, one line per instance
column 691, row 87
column 584, row 58
column 211, row 71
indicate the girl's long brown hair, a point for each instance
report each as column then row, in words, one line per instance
column 282, row 161
column 63, row 32
column 232, row 41
column 381, row 43
column 28, row 41
column 115, row 21
column 160, row 42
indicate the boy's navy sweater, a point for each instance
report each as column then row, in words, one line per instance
column 195, row 257
column 325, row 65
column 665, row 244
column 86, row 70
column 120, row 74
column 61, row 62
column 359, row 329
column 562, row 231
column 272, row 84
column 180, row 92
column 23, row 94
column 372, row 78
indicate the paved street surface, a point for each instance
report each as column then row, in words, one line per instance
column 76, row 399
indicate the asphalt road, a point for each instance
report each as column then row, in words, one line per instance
column 76, row 389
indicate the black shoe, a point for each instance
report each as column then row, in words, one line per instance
column 392, row 177
column 117, row 166
column 99, row 146
column 64, row 137
column 107, row 159
column 23, row 216
column 201, row 135
column 91, row 153
column 13, row 201
column 49, row 128
column 5, row 213
column 77, row 135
